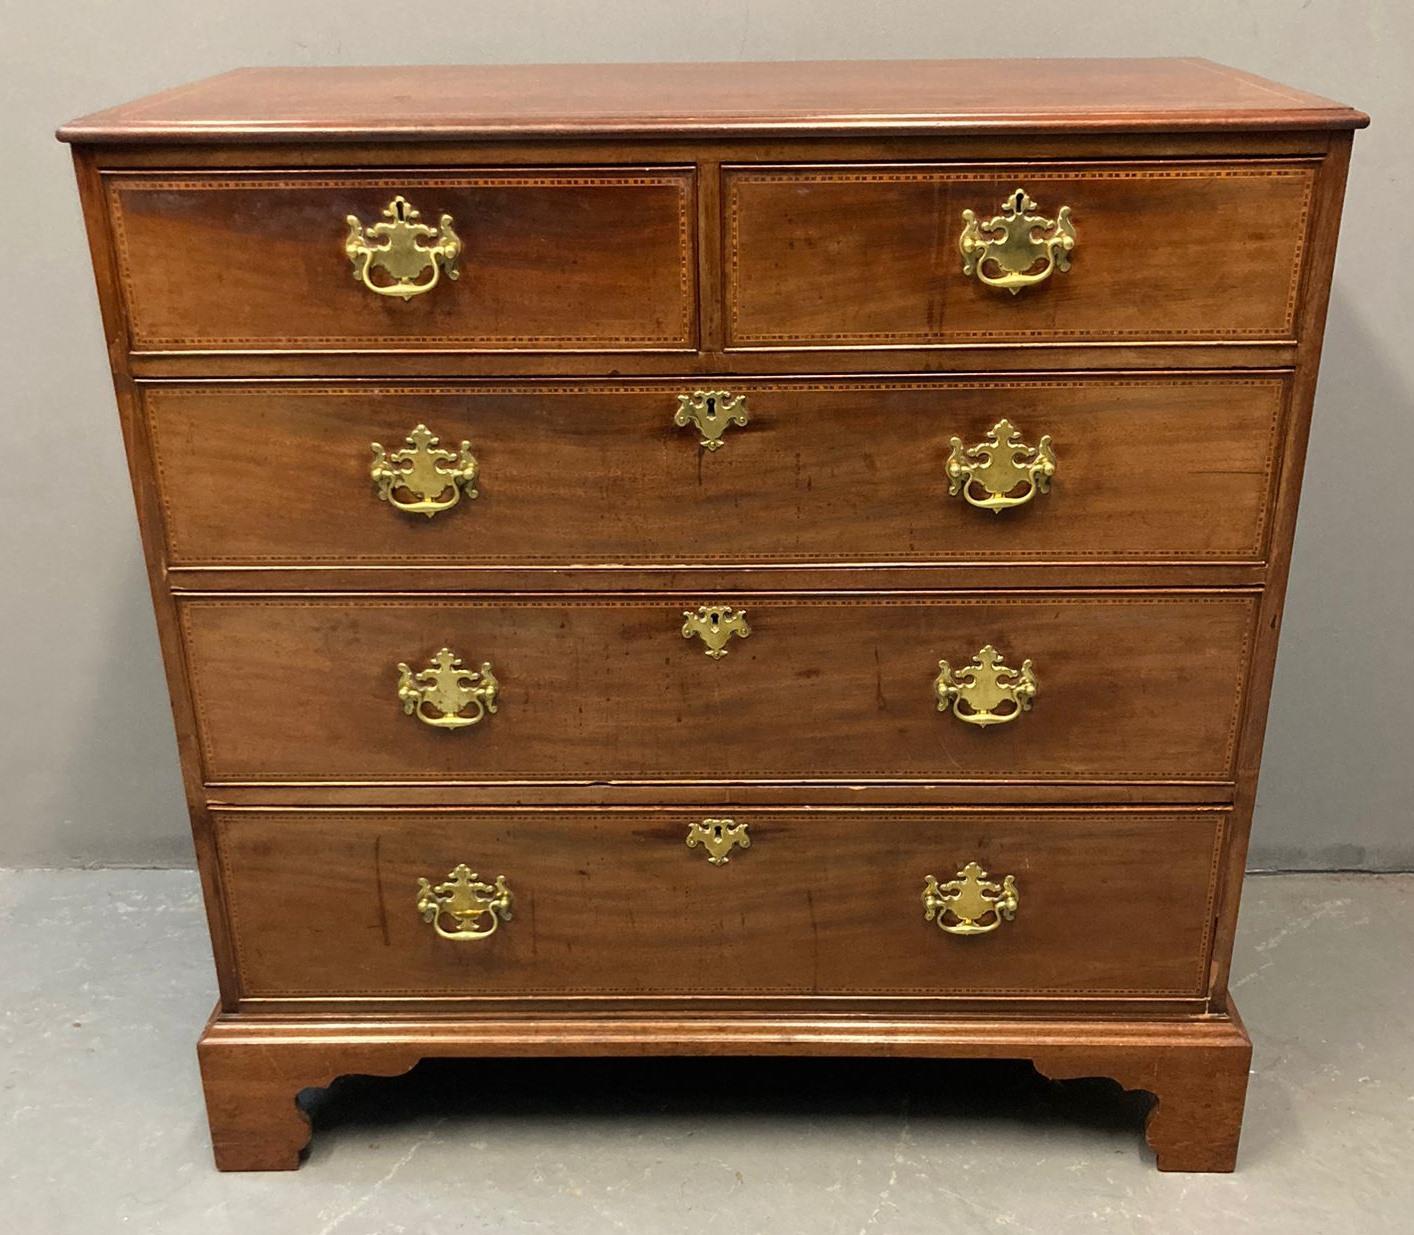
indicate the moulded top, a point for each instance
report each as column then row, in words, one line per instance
column 479, row 102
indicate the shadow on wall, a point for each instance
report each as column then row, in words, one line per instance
column 1343, row 699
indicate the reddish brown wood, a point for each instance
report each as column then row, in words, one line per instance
column 254, row 1067
column 1200, row 1091
column 454, row 102
column 552, row 260
column 866, row 256
column 935, row 793
column 1150, row 468
column 865, row 147
column 1177, row 359
column 1142, row 687
column 825, row 904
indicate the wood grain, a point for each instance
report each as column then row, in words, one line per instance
column 252, row 1068
column 821, row 903
column 428, row 102
column 1150, row 468
column 826, row 688
column 552, row 259
column 791, row 232
column 862, row 256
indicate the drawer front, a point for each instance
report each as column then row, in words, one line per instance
column 822, row 471
column 588, row 259
column 825, row 903
column 868, row 256
column 823, row 688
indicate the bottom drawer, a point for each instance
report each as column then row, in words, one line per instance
column 824, row 902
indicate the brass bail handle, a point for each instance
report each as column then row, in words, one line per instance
column 401, row 250
column 423, row 478
column 1017, row 248
column 986, row 692
column 447, row 695
column 971, row 902
column 1001, row 471
column 473, row 909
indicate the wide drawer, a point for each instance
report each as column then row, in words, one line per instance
column 869, row 256
column 1144, row 468
column 824, row 688
column 1116, row 904
column 582, row 259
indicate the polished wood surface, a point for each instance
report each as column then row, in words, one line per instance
column 432, row 102
column 867, row 256
column 839, row 471
column 790, row 233
column 825, row 903
column 830, row 688
column 552, row 260
column 1195, row 1069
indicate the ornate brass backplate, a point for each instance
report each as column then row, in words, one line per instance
column 715, row 625
column 423, row 478
column 971, row 903
column 718, row 836
column 989, row 474
column 442, row 694
column 975, row 692
column 1016, row 249
column 466, row 901
column 397, row 248
column 710, row 412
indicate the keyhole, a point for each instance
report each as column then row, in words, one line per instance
column 711, row 407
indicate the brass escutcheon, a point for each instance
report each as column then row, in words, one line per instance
column 976, row 691
column 715, row 625
column 963, row 904
column 711, row 412
column 718, row 836
column 396, row 248
column 465, row 900
column 989, row 474
column 423, row 478
column 441, row 694
column 1006, row 250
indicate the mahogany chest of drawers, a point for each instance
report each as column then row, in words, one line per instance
column 719, row 559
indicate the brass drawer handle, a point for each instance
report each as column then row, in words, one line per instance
column 715, row 625
column 711, row 412
column 465, row 900
column 975, row 692
column 963, row 904
column 441, row 694
column 718, row 836
column 1004, row 251
column 989, row 474
column 397, row 248
column 423, row 478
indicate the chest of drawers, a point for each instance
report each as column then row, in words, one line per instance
column 719, row 559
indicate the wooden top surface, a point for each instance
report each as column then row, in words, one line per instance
column 452, row 102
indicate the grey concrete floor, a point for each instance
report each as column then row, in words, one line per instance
column 105, row 979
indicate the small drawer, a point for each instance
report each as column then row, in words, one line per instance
column 870, row 256
column 527, row 260
column 831, row 903
column 712, row 689
column 1098, row 469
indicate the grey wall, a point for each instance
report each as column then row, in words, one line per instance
column 87, row 760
